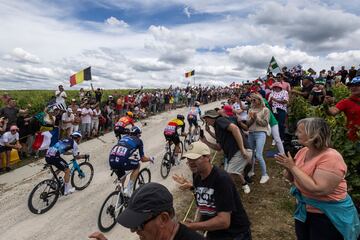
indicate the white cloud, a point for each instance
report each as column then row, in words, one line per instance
column 113, row 21
column 19, row 54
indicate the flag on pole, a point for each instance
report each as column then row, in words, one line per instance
column 273, row 66
column 83, row 75
column 189, row 74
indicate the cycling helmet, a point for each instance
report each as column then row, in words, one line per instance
column 135, row 130
column 180, row 116
column 130, row 114
column 197, row 103
column 76, row 135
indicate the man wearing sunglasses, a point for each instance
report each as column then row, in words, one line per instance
column 8, row 141
column 151, row 215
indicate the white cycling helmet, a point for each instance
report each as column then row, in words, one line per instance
column 76, row 135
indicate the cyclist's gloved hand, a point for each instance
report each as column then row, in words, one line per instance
column 152, row 159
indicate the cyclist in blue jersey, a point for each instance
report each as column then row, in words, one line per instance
column 53, row 157
column 120, row 157
column 193, row 115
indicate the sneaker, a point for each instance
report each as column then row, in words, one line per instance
column 264, row 179
column 69, row 191
column 251, row 174
column 246, row 188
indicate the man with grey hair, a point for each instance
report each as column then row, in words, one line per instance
column 151, row 215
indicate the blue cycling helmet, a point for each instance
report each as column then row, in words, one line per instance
column 76, row 135
column 135, row 130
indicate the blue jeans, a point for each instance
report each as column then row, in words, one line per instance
column 257, row 142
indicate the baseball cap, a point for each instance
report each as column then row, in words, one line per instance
column 211, row 114
column 355, row 81
column 196, row 150
column 147, row 201
column 228, row 110
column 320, row 81
column 73, row 100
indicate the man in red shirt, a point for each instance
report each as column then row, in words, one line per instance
column 351, row 107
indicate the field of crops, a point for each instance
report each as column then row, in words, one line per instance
column 39, row 98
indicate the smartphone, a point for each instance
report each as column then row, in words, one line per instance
column 201, row 133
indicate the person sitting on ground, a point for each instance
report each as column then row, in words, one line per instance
column 8, row 141
column 222, row 214
column 53, row 157
column 120, row 127
column 351, row 107
column 121, row 157
column 171, row 131
column 150, row 213
column 324, row 209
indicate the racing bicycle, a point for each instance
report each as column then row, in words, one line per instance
column 117, row 201
column 169, row 158
column 45, row 194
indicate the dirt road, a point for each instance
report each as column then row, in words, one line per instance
column 75, row 216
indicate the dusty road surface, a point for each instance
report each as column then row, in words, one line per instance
column 75, row 216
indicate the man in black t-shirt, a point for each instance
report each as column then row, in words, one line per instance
column 222, row 214
column 229, row 139
column 150, row 214
column 307, row 86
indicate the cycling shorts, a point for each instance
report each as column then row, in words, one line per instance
column 58, row 162
column 120, row 165
column 193, row 121
column 173, row 138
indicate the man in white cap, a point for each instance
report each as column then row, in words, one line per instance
column 221, row 211
column 8, row 141
column 67, row 119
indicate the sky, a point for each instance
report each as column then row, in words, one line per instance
column 133, row 43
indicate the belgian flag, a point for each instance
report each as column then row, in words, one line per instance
column 83, row 75
column 189, row 74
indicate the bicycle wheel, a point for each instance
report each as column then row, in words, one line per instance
column 165, row 165
column 143, row 177
column 81, row 179
column 44, row 196
column 109, row 211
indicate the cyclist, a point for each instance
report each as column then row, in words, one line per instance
column 120, row 157
column 53, row 157
column 193, row 115
column 122, row 123
column 171, row 131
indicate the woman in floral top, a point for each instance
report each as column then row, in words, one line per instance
column 278, row 100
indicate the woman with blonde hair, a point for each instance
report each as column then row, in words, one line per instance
column 258, row 121
column 324, row 209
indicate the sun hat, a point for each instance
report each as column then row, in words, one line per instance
column 196, row 150
column 211, row 114
column 146, row 202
